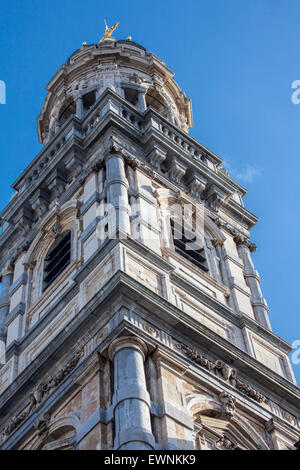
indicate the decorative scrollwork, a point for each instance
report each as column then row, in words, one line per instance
column 36, row 397
column 227, row 373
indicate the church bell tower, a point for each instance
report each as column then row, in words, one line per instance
column 131, row 313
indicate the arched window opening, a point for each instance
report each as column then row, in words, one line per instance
column 187, row 245
column 57, row 260
column 61, row 439
column 155, row 100
column 67, row 110
column 214, row 429
column 131, row 95
column 88, row 100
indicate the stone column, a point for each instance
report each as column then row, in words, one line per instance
column 98, row 93
column 167, row 201
column 142, row 101
column 212, row 259
column 57, row 126
column 252, row 278
column 7, row 279
column 131, row 399
column 117, row 196
column 79, row 107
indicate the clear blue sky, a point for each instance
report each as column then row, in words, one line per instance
column 236, row 59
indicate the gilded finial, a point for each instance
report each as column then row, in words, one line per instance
column 108, row 32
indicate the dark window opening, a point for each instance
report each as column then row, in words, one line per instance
column 89, row 100
column 57, row 260
column 131, row 95
column 154, row 99
column 182, row 238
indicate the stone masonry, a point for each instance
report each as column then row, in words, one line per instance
column 137, row 343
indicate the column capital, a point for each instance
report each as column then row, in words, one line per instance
column 127, row 342
column 241, row 240
column 166, row 197
column 8, row 269
column 113, row 147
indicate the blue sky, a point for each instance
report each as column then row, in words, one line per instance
column 236, row 59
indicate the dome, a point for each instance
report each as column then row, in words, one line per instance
column 125, row 67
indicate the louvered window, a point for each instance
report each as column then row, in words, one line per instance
column 57, row 260
column 182, row 239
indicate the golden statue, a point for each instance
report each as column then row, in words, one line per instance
column 108, row 32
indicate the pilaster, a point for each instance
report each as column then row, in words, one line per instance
column 7, row 279
column 17, row 294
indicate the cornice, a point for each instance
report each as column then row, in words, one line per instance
column 203, row 335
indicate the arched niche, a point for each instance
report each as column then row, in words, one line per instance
column 216, row 430
column 58, row 434
column 155, row 99
column 67, row 109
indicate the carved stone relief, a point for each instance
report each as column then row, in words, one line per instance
column 228, row 374
column 228, row 403
column 225, row 443
column 37, row 396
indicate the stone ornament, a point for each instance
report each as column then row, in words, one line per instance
column 216, row 197
column 157, row 156
column 104, row 332
column 226, row 373
column 56, row 230
column 42, row 425
column 225, row 444
column 113, row 145
column 242, row 240
column 177, row 170
column 149, row 329
column 239, row 237
column 38, row 395
column 228, row 403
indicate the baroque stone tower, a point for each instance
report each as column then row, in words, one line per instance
column 131, row 314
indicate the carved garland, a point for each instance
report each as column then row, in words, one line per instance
column 39, row 393
column 227, row 373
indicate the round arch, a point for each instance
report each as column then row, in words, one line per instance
column 208, row 413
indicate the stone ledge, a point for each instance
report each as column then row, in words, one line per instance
column 18, row 310
column 22, row 280
column 89, row 230
column 167, row 409
column 96, row 197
